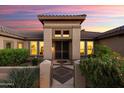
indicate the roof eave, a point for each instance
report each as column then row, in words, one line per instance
column 43, row 18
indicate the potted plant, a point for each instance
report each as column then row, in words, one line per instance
column 34, row 61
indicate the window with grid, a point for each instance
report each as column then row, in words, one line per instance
column 66, row 33
column 57, row 33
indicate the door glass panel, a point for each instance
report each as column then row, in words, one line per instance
column 58, row 50
column 62, row 50
column 65, row 50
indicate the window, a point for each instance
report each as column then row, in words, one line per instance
column 66, row 33
column 89, row 47
column 41, row 44
column 8, row 45
column 33, row 47
column 20, row 45
column 82, row 48
column 57, row 33
column 86, row 48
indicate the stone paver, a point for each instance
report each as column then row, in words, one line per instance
column 67, row 84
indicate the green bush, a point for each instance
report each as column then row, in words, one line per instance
column 103, row 70
column 13, row 56
column 22, row 78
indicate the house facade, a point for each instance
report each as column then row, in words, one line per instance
column 62, row 38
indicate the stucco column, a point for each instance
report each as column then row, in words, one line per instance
column 15, row 44
column 1, row 43
column 26, row 44
column 45, row 74
column 76, row 44
column 47, row 43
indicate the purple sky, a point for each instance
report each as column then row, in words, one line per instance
column 24, row 18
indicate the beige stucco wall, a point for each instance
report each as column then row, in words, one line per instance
column 1, row 42
column 2, row 39
column 47, row 43
column 115, row 43
column 79, row 79
column 61, row 24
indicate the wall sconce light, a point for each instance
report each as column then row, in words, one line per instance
column 52, row 49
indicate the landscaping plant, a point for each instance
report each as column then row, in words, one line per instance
column 104, row 69
column 34, row 61
column 13, row 57
column 23, row 78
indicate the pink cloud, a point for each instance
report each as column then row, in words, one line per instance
column 95, row 14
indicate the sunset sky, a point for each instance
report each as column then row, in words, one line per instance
column 99, row 18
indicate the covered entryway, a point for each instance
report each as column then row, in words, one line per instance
column 58, row 28
column 61, row 49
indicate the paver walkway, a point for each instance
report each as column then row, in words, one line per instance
column 63, row 79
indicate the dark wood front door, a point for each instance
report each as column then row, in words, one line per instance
column 62, row 49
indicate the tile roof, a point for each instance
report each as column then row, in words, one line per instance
column 62, row 15
column 23, row 34
column 9, row 31
column 89, row 35
column 85, row 35
column 112, row 32
column 55, row 17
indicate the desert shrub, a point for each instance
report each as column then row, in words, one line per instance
column 101, row 50
column 23, row 78
column 6, row 57
column 103, row 70
column 13, row 56
column 21, row 55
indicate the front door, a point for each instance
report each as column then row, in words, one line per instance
column 62, row 49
